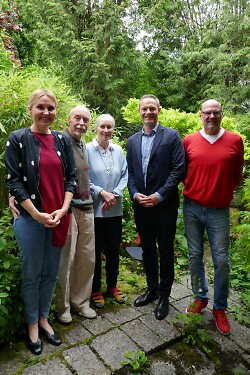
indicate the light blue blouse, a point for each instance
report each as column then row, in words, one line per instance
column 107, row 171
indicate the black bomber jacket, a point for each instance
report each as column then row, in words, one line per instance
column 22, row 157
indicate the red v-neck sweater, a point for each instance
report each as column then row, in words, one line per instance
column 212, row 170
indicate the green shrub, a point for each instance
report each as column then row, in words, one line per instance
column 11, row 306
column 180, row 244
column 243, row 124
column 240, row 257
column 5, row 61
column 132, row 118
column 129, row 232
column 240, row 245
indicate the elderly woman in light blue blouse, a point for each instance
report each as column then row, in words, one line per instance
column 108, row 176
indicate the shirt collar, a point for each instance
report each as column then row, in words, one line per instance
column 97, row 146
column 212, row 136
column 153, row 131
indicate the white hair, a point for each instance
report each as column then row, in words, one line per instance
column 105, row 116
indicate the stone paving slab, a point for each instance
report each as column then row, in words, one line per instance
column 179, row 290
column 162, row 368
column 226, row 344
column 76, row 335
column 246, row 358
column 182, row 304
column 240, row 335
column 162, row 328
column 233, row 299
column 111, row 347
column 9, row 366
column 98, row 325
column 142, row 335
column 185, row 280
column 126, row 314
column 82, row 360
column 51, row 367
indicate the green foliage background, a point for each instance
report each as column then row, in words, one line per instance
column 11, row 307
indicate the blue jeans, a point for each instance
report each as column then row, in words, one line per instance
column 216, row 222
column 39, row 265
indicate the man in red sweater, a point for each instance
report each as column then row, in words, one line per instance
column 214, row 163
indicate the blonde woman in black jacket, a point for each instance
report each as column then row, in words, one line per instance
column 40, row 174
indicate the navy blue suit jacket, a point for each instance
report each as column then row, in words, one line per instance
column 165, row 168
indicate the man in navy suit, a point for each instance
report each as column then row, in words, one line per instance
column 155, row 159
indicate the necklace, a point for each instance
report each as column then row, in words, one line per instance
column 108, row 161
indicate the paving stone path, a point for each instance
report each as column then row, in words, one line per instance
column 94, row 347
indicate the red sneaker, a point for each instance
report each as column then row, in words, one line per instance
column 197, row 306
column 221, row 321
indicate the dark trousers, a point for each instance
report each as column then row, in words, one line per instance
column 157, row 226
column 108, row 232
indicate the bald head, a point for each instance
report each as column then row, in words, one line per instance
column 211, row 116
column 211, row 102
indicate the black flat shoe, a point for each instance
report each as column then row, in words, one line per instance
column 35, row 347
column 53, row 339
column 146, row 298
column 162, row 309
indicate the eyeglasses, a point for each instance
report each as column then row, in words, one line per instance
column 209, row 113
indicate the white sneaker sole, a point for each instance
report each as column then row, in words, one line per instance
column 89, row 316
column 64, row 320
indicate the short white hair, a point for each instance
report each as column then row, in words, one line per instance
column 105, row 116
column 80, row 107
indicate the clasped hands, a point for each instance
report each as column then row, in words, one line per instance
column 48, row 220
column 147, row 201
column 109, row 199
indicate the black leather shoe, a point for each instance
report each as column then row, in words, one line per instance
column 35, row 347
column 146, row 298
column 162, row 309
column 53, row 339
